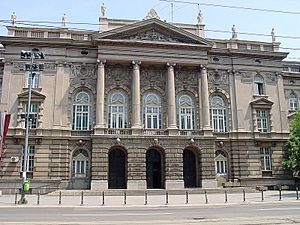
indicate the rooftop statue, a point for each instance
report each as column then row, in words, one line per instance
column 200, row 17
column 273, row 35
column 233, row 34
column 64, row 21
column 13, row 19
column 103, row 10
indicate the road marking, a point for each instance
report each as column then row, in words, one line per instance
column 279, row 209
column 120, row 214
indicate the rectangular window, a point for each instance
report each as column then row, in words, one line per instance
column 30, row 158
column 265, row 157
column 262, row 120
column 33, row 115
column 35, row 80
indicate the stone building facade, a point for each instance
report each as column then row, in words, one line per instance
column 145, row 104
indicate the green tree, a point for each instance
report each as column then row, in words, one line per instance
column 293, row 161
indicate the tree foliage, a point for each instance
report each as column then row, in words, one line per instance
column 293, row 161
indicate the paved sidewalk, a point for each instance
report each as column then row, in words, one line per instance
column 90, row 199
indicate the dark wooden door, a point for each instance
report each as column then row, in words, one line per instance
column 154, row 166
column 116, row 170
column 189, row 169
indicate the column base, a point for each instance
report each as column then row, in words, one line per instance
column 174, row 184
column 207, row 131
column 173, row 131
column 136, row 184
column 136, row 130
column 97, row 185
column 98, row 130
column 209, row 183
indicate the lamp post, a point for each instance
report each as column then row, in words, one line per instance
column 32, row 67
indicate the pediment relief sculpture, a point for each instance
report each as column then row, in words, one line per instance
column 153, row 36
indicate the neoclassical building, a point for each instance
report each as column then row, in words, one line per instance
column 145, row 104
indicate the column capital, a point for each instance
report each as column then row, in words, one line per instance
column 170, row 64
column 136, row 64
column 203, row 67
column 101, row 61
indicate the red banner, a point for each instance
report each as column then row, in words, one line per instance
column 4, row 124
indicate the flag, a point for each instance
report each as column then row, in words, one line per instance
column 4, row 124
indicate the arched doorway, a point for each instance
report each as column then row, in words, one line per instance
column 117, row 169
column 154, row 166
column 189, row 168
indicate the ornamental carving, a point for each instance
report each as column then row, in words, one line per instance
column 217, row 77
column 83, row 75
column 117, row 76
column 50, row 67
column 19, row 66
column 152, row 75
column 271, row 78
column 246, row 77
column 186, row 76
column 152, row 14
column 153, row 36
column 83, row 71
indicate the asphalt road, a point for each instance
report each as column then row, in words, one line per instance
column 264, row 213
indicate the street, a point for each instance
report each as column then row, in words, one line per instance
column 258, row 213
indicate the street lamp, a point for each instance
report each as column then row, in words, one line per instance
column 32, row 68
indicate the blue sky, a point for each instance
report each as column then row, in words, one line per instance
column 216, row 18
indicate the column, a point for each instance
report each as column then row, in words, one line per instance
column 205, row 99
column 171, row 101
column 136, row 99
column 100, row 123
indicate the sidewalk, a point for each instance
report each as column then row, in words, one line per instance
column 161, row 198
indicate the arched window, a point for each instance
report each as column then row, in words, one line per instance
column 259, row 85
column 218, row 114
column 186, row 112
column 80, row 163
column 81, row 111
column 221, row 163
column 293, row 102
column 117, row 110
column 152, row 111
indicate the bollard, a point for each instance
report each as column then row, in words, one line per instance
column 226, row 196
column 280, row 196
column 146, row 198
column 16, row 197
column 206, row 199
column 167, row 198
column 244, row 195
column 81, row 202
column 103, row 198
column 38, row 198
column 297, row 193
column 186, row 197
column 262, row 195
column 59, row 199
column 125, row 197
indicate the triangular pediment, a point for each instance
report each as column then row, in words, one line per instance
column 262, row 102
column 153, row 30
column 35, row 96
